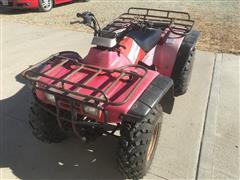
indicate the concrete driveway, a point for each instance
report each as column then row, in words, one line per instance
column 200, row 139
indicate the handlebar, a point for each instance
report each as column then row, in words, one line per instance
column 89, row 20
column 76, row 22
column 79, row 15
column 87, row 17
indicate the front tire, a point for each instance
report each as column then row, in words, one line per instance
column 44, row 125
column 138, row 144
column 45, row 5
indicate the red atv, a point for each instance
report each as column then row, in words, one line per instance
column 135, row 67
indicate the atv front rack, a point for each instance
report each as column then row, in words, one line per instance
column 179, row 22
column 35, row 74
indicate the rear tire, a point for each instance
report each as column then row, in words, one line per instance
column 45, row 5
column 182, row 81
column 44, row 125
column 138, row 144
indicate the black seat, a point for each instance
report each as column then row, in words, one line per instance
column 147, row 38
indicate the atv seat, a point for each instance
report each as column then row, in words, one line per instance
column 146, row 39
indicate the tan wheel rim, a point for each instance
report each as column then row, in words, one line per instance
column 152, row 144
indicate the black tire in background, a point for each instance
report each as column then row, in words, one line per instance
column 138, row 144
column 44, row 125
column 182, row 81
column 45, row 5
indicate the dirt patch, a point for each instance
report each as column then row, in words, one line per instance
column 217, row 21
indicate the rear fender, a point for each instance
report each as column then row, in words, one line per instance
column 165, row 54
column 159, row 91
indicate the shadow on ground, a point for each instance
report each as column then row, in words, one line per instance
column 28, row 158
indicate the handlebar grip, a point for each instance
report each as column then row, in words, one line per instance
column 79, row 14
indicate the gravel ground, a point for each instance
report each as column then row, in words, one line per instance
column 218, row 21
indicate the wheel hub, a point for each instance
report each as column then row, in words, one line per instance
column 46, row 4
column 152, row 144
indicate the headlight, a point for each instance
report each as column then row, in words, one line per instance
column 90, row 110
column 50, row 98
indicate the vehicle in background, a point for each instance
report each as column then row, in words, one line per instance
column 41, row 5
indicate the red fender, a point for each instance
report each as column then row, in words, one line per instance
column 165, row 54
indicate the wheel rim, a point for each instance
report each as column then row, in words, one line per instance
column 46, row 4
column 152, row 144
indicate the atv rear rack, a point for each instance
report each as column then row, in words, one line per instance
column 180, row 22
column 34, row 74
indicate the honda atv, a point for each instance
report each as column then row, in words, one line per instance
column 136, row 66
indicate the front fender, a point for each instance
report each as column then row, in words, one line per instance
column 160, row 91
